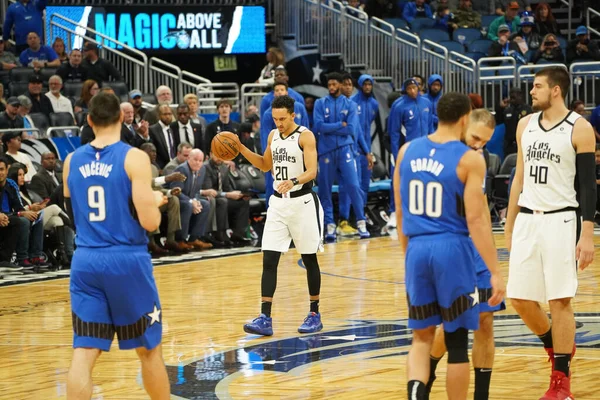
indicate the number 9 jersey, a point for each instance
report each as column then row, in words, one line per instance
column 101, row 198
column 432, row 193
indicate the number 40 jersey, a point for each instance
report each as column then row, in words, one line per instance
column 288, row 158
column 432, row 193
column 548, row 165
column 101, row 198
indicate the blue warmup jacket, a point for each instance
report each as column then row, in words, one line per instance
column 434, row 99
column 268, row 99
column 25, row 19
column 329, row 113
column 409, row 13
column 409, row 119
column 267, row 124
column 367, row 110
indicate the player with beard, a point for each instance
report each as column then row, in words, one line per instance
column 480, row 131
column 553, row 189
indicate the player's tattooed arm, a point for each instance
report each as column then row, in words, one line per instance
column 398, row 199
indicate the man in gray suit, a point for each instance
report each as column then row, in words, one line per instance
column 194, row 209
column 46, row 180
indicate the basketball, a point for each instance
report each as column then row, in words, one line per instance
column 224, row 145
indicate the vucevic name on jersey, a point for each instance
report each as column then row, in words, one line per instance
column 288, row 157
column 548, row 165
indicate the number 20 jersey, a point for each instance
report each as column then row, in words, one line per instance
column 288, row 158
column 548, row 165
column 101, row 198
column 432, row 193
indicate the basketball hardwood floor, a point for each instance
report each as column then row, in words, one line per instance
column 361, row 353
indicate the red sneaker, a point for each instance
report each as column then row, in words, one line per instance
column 550, row 352
column 560, row 388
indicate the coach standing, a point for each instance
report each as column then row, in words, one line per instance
column 25, row 16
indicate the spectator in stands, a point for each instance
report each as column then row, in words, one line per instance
column 465, row 17
column 251, row 109
column 421, row 83
column 232, row 208
column 59, row 102
column 544, row 20
column 578, row 106
column 435, row 83
column 10, row 119
column 549, row 50
column 31, row 231
column 9, row 234
column 595, row 122
column 8, row 60
column 442, row 18
column 416, row 9
column 274, row 58
column 164, row 96
column 38, row 56
column 162, row 136
column 194, row 209
column 135, row 98
column 582, row 48
column 503, row 46
column 248, row 137
column 24, row 110
column 89, row 89
column 132, row 133
column 46, row 180
column 309, row 104
column 502, row 6
column 527, row 38
column 195, row 115
column 12, row 144
column 382, row 9
column 25, row 16
column 98, row 69
column 183, row 154
column 509, row 112
column 41, row 103
column 221, row 124
column 281, row 75
column 59, row 48
column 73, row 71
column 254, row 119
column 184, row 130
column 510, row 19
column 2, row 99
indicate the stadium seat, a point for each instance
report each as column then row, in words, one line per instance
column 494, row 164
column 120, row 89
column 17, row 88
column 480, row 46
column 500, row 185
column 486, row 20
column 379, row 170
column 149, row 98
column 398, row 23
column 61, row 133
column 61, row 119
column 466, row 35
column 80, row 118
column 586, row 68
column 419, row 24
column 41, row 122
column 453, row 46
column 46, row 73
column 256, row 176
column 475, row 55
column 435, row 35
column 21, row 74
column 72, row 89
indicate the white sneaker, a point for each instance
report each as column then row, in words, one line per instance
column 391, row 224
column 362, row 229
column 330, row 236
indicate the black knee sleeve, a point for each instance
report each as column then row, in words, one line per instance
column 313, row 273
column 269, row 275
column 457, row 343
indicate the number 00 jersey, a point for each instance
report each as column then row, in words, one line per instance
column 432, row 194
column 288, row 158
column 101, row 198
column 548, row 165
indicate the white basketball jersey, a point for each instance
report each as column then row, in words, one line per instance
column 549, row 165
column 288, row 157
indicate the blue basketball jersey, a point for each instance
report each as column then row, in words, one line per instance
column 432, row 193
column 101, row 198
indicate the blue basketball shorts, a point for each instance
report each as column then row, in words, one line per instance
column 113, row 291
column 484, row 285
column 441, row 282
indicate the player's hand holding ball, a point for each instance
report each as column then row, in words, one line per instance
column 160, row 198
column 226, row 145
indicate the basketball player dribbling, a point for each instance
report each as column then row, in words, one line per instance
column 294, row 213
column 112, row 287
column 439, row 182
column 480, row 131
column 543, row 229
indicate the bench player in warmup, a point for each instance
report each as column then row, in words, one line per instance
column 438, row 185
column 108, row 194
column 294, row 213
column 480, row 131
column 553, row 189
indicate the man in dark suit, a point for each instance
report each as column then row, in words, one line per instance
column 46, row 180
column 135, row 134
column 231, row 207
column 194, row 210
column 162, row 136
column 184, row 130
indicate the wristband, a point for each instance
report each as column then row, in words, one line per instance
column 295, row 181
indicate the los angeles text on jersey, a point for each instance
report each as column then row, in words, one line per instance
column 280, row 154
column 427, row 165
column 541, row 151
column 95, row 168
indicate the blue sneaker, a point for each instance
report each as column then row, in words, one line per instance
column 312, row 323
column 260, row 326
